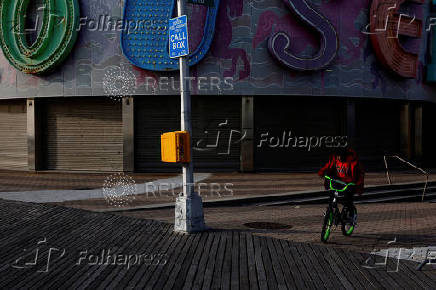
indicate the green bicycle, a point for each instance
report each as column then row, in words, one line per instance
column 333, row 215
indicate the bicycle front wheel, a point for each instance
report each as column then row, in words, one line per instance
column 327, row 226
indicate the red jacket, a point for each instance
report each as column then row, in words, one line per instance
column 348, row 171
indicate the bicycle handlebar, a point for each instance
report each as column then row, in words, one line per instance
column 346, row 185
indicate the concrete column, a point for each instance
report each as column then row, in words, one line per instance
column 247, row 144
column 406, row 131
column 33, row 138
column 351, row 123
column 128, row 134
column 418, row 148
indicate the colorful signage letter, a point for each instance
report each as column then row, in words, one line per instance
column 385, row 27
column 279, row 43
column 54, row 42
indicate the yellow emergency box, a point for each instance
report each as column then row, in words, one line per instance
column 175, row 147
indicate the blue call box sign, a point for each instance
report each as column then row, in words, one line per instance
column 178, row 37
column 209, row 3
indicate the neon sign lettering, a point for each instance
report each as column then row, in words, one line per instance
column 279, row 43
column 385, row 27
column 54, row 41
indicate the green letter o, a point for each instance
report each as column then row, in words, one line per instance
column 54, row 42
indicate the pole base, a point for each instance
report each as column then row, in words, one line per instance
column 189, row 217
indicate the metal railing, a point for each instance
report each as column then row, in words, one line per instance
column 411, row 165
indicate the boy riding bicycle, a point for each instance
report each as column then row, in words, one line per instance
column 344, row 165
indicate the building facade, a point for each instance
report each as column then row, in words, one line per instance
column 276, row 85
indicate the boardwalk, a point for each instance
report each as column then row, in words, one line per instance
column 80, row 249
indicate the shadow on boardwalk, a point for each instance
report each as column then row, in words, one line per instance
column 44, row 246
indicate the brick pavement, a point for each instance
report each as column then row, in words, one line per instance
column 11, row 181
column 411, row 224
column 225, row 185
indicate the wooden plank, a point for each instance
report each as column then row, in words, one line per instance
column 289, row 279
column 234, row 283
column 109, row 272
column 208, row 273
column 106, row 234
column 251, row 262
column 134, row 233
column 31, row 277
column 383, row 279
column 276, row 264
column 267, row 263
column 146, row 242
column 413, row 275
column 365, row 279
column 227, row 266
column 292, row 265
column 260, row 268
column 198, row 281
column 171, row 250
column 216, row 279
column 426, row 276
column 189, row 276
column 168, row 276
column 304, row 272
column 324, row 271
column 178, row 274
column 314, row 277
column 146, row 272
column 139, row 242
column 243, row 262
column 340, row 276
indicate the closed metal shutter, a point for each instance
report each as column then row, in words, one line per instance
column 377, row 131
column 296, row 134
column 429, row 138
column 216, row 124
column 13, row 135
column 82, row 134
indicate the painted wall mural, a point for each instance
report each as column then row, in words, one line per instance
column 260, row 47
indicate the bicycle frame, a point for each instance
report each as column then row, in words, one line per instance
column 336, row 214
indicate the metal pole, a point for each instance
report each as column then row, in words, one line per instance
column 186, row 125
column 189, row 217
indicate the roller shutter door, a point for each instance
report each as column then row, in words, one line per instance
column 13, row 135
column 296, row 134
column 429, row 139
column 83, row 134
column 212, row 117
column 377, row 131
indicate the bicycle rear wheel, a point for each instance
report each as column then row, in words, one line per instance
column 327, row 226
column 348, row 221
